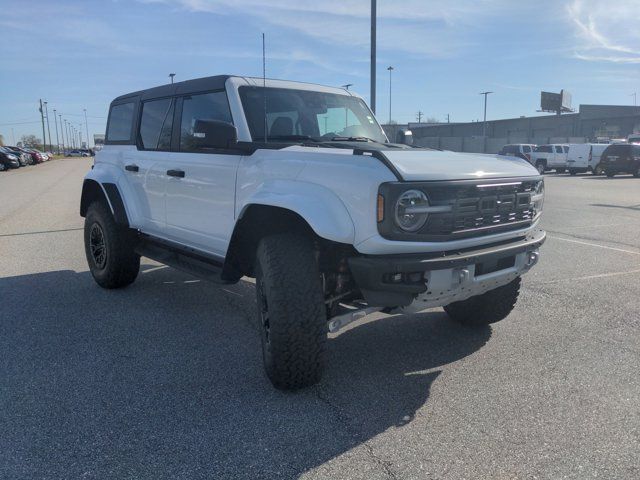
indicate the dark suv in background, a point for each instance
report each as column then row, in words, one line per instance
column 621, row 158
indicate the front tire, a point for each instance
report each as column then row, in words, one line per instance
column 109, row 248
column 540, row 167
column 291, row 312
column 490, row 307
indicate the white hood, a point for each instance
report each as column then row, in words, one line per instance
column 436, row 165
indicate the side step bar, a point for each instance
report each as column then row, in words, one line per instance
column 181, row 258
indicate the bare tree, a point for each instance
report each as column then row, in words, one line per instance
column 31, row 141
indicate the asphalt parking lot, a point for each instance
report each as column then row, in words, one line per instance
column 164, row 379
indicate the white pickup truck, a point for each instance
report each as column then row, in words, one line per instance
column 550, row 157
column 297, row 186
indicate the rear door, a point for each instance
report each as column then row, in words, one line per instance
column 200, row 184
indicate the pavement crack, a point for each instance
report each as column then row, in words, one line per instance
column 343, row 419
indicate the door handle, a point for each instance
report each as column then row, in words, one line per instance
column 131, row 168
column 176, row 173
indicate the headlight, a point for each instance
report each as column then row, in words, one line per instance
column 12, row 157
column 410, row 213
column 537, row 199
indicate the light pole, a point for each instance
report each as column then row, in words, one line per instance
column 86, row 125
column 44, row 135
column 373, row 56
column 55, row 122
column 634, row 95
column 390, row 68
column 46, row 109
column 61, row 132
column 484, row 125
column 171, row 75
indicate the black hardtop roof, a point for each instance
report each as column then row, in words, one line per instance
column 188, row 86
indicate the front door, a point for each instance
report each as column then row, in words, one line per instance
column 200, row 185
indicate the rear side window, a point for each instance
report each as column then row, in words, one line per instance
column 544, row 149
column 120, row 122
column 566, row 149
column 558, row 149
column 207, row 106
column 156, row 123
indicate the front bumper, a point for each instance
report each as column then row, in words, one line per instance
column 432, row 280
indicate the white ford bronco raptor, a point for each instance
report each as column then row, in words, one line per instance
column 297, row 186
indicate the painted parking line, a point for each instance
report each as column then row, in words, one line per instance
column 633, row 252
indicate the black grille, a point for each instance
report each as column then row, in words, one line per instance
column 466, row 208
column 477, row 208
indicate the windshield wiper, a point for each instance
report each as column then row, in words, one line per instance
column 352, row 139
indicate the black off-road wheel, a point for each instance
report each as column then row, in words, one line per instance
column 291, row 313
column 490, row 307
column 109, row 248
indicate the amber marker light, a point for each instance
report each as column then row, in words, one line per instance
column 380, row 208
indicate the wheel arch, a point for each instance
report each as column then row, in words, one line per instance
column 92, row 191
column 254, row 223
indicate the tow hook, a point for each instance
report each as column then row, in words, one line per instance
column 341, row 321
column 532, row 258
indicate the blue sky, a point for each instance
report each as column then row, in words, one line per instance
column 80, row 54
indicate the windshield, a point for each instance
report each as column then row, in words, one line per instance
column 299, row 114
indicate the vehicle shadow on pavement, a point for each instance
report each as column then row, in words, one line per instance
column 164, row 379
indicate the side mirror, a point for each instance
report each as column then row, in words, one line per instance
column 405, row 137
column 214, row 134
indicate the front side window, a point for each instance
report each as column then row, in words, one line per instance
column 206, row 106
column 120, row 122
column 304, row 113
column 156, row 123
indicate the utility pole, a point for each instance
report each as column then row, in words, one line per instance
column 55, row 121
column 372, row 99
column 46, row 109
column 484, row 126
column 390, row 68
column 419, row 116
column 171, row 75
column 86, row 125
column 61, row 132
column 634, row 95
column 346, row 86
column 44, row 138
column 447, row 118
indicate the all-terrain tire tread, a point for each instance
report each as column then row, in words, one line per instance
column 298, row 323
column 123, row 264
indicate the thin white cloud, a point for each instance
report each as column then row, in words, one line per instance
column 605, row 32
column 438, row 28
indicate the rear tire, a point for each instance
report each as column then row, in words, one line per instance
column 490, row 307
column 109, row 248
column 598, row 170
column 636, row 173
column 560, row 170
column 291, row 312
column 572, row 172
column 540, row 167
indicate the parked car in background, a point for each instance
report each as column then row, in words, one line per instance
column 78, row 153
column 520, row 150
column 8, row 159
column 36, row 155
column 25, row 157
column 621, row 158
column 549, row 157
column 585, row 157
column 634, row 138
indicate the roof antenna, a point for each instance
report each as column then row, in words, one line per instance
column 264, row 86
